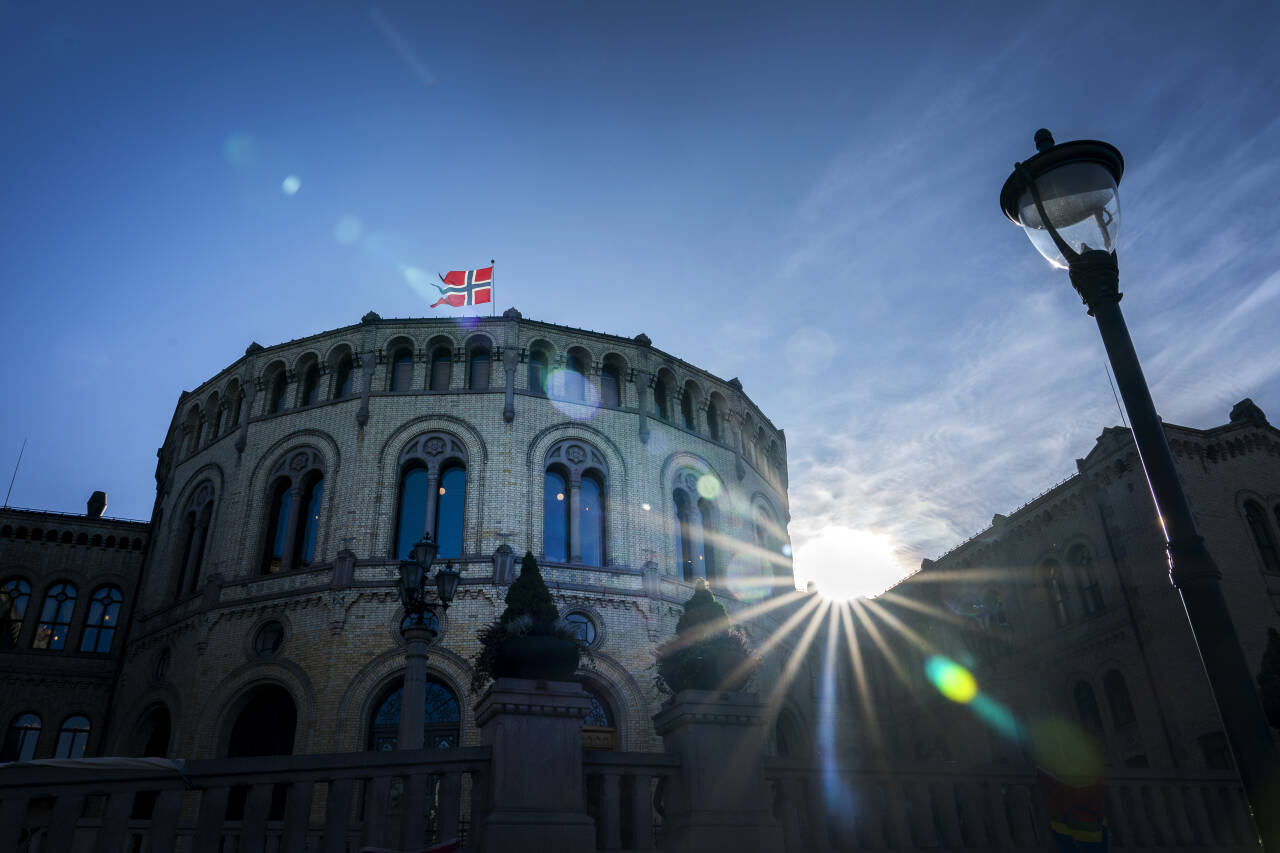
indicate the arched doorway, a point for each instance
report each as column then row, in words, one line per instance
column 265, row 725
column 150, row 740
column 442, row 719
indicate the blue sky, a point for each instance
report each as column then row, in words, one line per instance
column 802, row 195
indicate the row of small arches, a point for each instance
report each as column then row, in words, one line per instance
column 66, row 537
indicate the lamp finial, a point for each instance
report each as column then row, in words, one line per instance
column 1044, row 139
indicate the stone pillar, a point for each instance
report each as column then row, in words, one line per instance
column 575, row 517
column 719, row 800
column 368, row 364
column 535, row 787
column 642, row 403
column 510, row 361
column 433, row 497
column 413, row 695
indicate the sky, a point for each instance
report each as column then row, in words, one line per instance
column 802, row 195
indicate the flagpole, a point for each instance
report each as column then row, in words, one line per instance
column 493, row 289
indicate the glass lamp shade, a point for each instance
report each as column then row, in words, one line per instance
column 1078, row 187
column 424, row 551
column 411, row 573
column 447, row 583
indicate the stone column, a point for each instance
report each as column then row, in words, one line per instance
column 368, row 364
column 413, row 695
column 575, row 517
column 535, row 787
column 510, row 362
column 719, row 800
column 433, row 497
column 291, row 531
column 642, row 403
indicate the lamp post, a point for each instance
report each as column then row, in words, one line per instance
column 1066, row 200
column 418, row 632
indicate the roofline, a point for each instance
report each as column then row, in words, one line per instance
column 79, row 516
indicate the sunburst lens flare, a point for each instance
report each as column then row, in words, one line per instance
column 952, row 680
column 845, row 563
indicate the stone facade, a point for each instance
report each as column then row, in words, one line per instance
column 289, row 413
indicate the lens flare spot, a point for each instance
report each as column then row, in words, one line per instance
column 952, row 680
column 348, row 230
column 708, row 487
column 291, row 185
column 645, row 507
column 240, row 149
column 572, row 394
column 1063, row 748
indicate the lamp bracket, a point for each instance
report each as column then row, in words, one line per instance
column 1095, row 274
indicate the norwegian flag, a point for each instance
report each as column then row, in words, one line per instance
column 465, row 287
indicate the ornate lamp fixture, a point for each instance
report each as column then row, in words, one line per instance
column 412, row 584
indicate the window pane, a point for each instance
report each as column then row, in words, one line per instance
column 279, row 384
column 449, row 507
column 20, row 740
column 14, row 597
column 610, row 390
column 538, row 373
column 480, row 370
column 402, row 371
column 707, row 514
column 555, row 524
column 100, row 626
column 311, row 522
column 713, row 421
column 412, row 518
column 441, row 367
column 55, row 617
column 279, row 525
column 344, row 378
column 73, row 737
column 311, row 385
column 592, row 522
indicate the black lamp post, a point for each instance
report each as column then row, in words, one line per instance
column 418, row 633
column 1066, row 200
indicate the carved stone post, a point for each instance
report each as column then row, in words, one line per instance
column 719, row 800
column 536, row 798
column 433, row 496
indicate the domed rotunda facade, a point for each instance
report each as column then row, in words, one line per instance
column 291, row 484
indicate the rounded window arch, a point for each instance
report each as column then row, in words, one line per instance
column 789, row 738
column 442, row 720
column 294, row 506
column 441, row 377
column 479, row 363
column 1059, row 594
column 213, row 413
column 600, row 726
column 153, row 731
column 103, row 619
column 400, row 362
column 663, row 384
column 695, row 495
column 193, row 539
column 195, row 428
column 55, row 617
column 539, row 367
column 265, row 723
column 1118, row 698
column 690, row 400
column 1087, row 583
column 1257, row 521
column 432, row 494
column 15, row 596
column 769, row 540
column 1087, row 707
column 233, row 400
column 73, row 737
column 342, row 365
column 277, row 383
column 715, row 417
column 575, row 491
column 309, row 370
column 21, row 738
column 612, row 371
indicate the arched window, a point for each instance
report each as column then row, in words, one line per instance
column 713, row 420
column 687, row 409
column 538, row 371
column 311, row 384
column 684, row 536
column 478, row 366
column 432, row 494
column 401, row 370
column 294, row 508
column 1118, row 698
column 661, row 405
column 1086, row 580
column 611, row 385
column 104, row 615
column 73, row 737
column 709, row 520
column 575, row 377
column 1087, row 708
column 151, row 737
column 21, row 739
column 195, row 429
column 15, row 595
column 1257, row 520
column 279, row 384
column 234, row 399
column 55, row 617
column 196, row 518
column 599, row 727
column 1058, row 592
column 441, row 368
column 769, row 540
column 441, row 724
column 574, row 504
column 342, row 379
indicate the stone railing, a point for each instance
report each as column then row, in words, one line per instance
column 290, row 804
column 620, row 789
column 937, row 808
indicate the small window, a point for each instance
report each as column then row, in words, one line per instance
column 342, row 383
column 306, row 541
column 575, row 380
column 278, row 525
column 161, row 671
column 441, row 368
column 402, row 370
column 279, row 384
column 15, row 595
column 73, row 737
column 610, row 386
column 429, row 619
column 100, row 626
column 1257, row 521
column 55, row 617
column 713, row 421
column 311, row 385
column 1118, row 698
column 480, row 363
column 582, row 626
column 1058, row 591
column 268, row 639
column 687, row 411
column 1087, row 708
column 661, row 405
column 21, row 738
column 538, row 372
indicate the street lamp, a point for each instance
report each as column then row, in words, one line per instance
column 418, row 633
column 1066, row 200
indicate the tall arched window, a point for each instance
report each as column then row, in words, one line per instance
column 213, row 411
column 195, row 427
column 574, row 504
column 21, row 738
column 611, row 385
column 538, row 371
column 235, row 398
column 294, row 508
column 279, row 384
column 1087, row 708
column 55, row 617
column 432, row 494
column 1257, row 520
column 661, row 403
column 599, row 728
column 709, row 518
column 575, row 377
column 401, row 370
column 441, row 368
column 713, row 420
column 478, row 365
column 684, row 536
column 441, row 725
column 311, row 384
column 1086, row 580
column 342, row 378
column 104, row 615
column 197, row 515
column 769, row 540
column 697, row 520
column 1058, row 591
column 1118, row 698
column 687, row 409
column 73, row 737
column 15, row 595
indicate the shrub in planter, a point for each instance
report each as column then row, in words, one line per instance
column 529, row 639
column 708, row 652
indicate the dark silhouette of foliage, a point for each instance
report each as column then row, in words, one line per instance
column 533, row 623
column 1269, row 678
column 529, row 595
column 708, row 652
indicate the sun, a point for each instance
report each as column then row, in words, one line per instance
column 846, row 563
